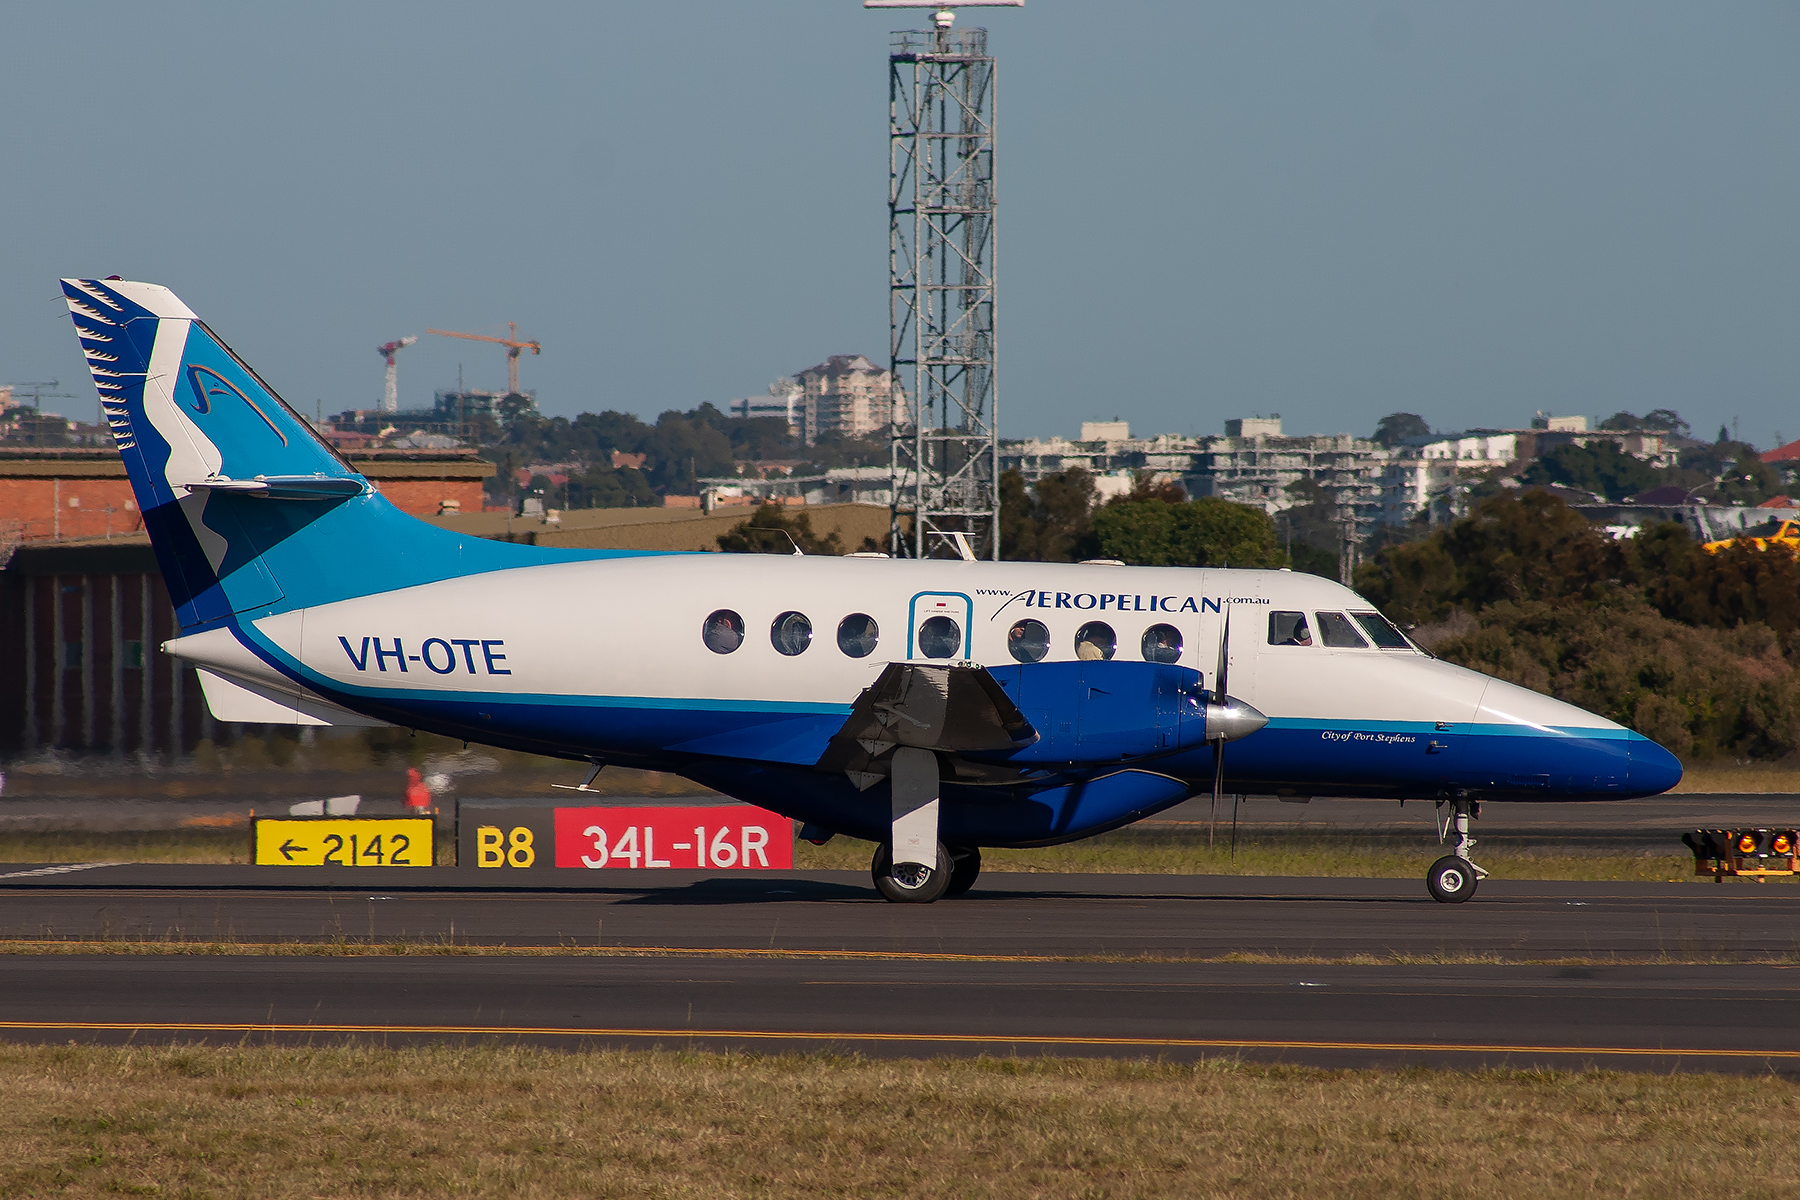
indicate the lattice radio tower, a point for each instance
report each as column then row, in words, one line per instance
column 944, row 437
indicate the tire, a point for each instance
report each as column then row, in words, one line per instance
column 1451, row 880
column 965, row 865
column 915, row 885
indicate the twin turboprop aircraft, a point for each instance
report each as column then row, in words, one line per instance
column 933, row 707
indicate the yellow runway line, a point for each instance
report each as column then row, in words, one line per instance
column 1116, row 1043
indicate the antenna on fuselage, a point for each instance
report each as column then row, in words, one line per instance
column 784, row 533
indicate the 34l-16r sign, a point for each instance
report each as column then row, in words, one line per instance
column 711, row 838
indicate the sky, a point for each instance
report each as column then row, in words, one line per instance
column 1327, row 209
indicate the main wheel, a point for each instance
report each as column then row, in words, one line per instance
column 1451, row 880
column 910, row 883
column 965, row 865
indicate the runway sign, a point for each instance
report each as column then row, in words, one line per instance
column 348, row 842
column 732, row 837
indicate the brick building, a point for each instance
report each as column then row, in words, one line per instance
column 56, row 493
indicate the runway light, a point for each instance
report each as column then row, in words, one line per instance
column 1783, row 843
column 1746, row 843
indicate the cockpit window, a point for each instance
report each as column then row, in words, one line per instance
column 1162, row 644
column 1381, row 632
column 1028, row 641
column 857, row 635
column 1289, row 629
column 791, row 633
column 1095, row 642
column 723, row 631
column 940, row 637
column 1337, row 631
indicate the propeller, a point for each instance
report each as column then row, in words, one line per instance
column 1226, row 721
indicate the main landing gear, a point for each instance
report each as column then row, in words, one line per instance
column 915, row 883
column 1452, row 879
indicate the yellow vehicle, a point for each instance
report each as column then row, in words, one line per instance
column 1787, row 533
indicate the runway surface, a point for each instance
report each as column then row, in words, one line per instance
column 1552, row 974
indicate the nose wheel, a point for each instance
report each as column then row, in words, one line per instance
column 1452, row 879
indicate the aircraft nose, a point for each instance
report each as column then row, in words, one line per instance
column 1653, row 769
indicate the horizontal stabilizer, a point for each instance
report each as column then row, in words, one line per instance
column 232, row 699
column 284, row 487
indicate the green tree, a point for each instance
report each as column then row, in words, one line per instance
column 1395, row 428
column 1511, row 547
column 1196, row 533
column 763, row 533
column 683, row 448
column 1049, row 523
column 1699, row 692
column 603, row 487
column 1599, row 467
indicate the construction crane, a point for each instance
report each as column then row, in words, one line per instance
column 390, row 395
column 513, row 347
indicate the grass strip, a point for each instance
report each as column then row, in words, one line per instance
column 345, row 948
column 489, row 1120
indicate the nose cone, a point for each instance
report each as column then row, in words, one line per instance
column 1232, row 720
column 1653, row 769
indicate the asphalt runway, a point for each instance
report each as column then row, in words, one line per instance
column 1029, row 964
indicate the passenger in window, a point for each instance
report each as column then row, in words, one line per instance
column 1095, row 642
column 1028, row 641
column 723, row 631
column 1162, row 644
column 1289, row 629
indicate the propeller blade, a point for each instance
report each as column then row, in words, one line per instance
column 1235, row 797
column 1224, row 659
column 1218, row 785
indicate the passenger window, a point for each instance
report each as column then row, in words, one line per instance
column 1288, row 629
column 1381, row 632
column 940, row 637
column 1336, row 630
column 1162, row 644
column 857, row 635
column 1028, row 641
column 791, row 633
column 1095, row 642
column 723, row 632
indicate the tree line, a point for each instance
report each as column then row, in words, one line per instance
column 678, row 448
column 1697, row 651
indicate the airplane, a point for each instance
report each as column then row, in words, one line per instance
column 934, row 707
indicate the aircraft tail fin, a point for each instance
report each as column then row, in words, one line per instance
column 199, row 432
column 249, row 510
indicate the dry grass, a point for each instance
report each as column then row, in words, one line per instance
column 195, row 844
column 518, row 1122
column 1753, row 778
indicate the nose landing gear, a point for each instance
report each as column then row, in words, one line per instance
column 1452, row 879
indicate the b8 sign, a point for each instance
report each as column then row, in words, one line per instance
column 716, row 838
